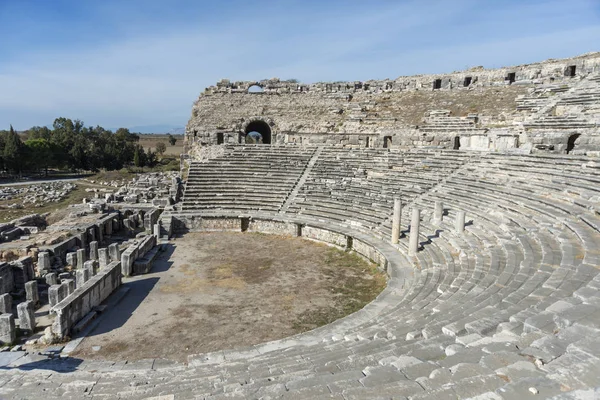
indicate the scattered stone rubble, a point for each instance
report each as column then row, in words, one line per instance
column 36, row 194
column 67, row 269
column 159, row 189
column 23, row 226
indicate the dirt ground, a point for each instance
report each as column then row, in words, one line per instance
column 214, row 291
column 149, row 142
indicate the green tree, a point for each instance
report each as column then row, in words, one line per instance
column 39, row 132
column 139, row 157
column 39, row 154
column 161, row 147
column 13, row 151
column 3, row 135
column 172, row 139
column 150, row 158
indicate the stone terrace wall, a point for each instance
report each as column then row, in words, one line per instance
column 296, row 111
column 75, row 306
column 195, row 223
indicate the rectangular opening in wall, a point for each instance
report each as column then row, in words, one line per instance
column 367, row 142
column 245, row 223
column 437, row 84
column 467, row 81
column 387, row 142
column 220, row 139
column 570, row 71
column 349, row 243
column 511, row 77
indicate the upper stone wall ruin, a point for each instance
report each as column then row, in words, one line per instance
column 366, row 113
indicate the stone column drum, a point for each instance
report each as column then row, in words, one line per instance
column 459, row 226
column 413, row 245
column 438, row 213
column 396, row 220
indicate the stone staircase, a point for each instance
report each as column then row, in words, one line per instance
column 441, row 121
column 584, row 93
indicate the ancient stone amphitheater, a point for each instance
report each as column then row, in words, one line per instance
column 487, row 225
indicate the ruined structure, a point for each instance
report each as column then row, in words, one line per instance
column 549, row 106
column 492, row 256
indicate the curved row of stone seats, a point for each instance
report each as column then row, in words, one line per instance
column 540, row 96
column 423, row 283
column 245, row 178
column 440, row 120
column 574, row 239
column 517, row 286
column 559, row 122
column 585, row 94
column 359, row 190
column 437, row 360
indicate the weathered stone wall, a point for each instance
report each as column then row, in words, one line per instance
column 75, row 306
column 349, row 112
column 368, row 251
column 273, row 227
column 194, row 223
column 324, row 235
column 208, row 224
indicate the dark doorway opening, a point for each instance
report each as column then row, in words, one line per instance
column 437, row 84
column 367, row 142
column 245, row 224
column 220, row 138
column 571, row 69
column 262, row 129
column 467, row 81
column 456, row 143
column 387, row 142
column 511, row 78
column 571, row 142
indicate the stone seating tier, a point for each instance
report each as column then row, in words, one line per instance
column 509, row 307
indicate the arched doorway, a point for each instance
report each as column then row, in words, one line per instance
column 571, row 142
column 456, row 143
column 259, row 128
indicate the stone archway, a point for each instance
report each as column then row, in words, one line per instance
column 258, row 127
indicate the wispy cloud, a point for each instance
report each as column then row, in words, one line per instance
column 147, row 67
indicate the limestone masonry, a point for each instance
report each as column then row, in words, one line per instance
column 492, row 256
column 548, row 106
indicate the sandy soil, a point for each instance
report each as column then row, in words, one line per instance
column 214, row 291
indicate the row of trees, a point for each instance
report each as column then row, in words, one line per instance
column 71, row 145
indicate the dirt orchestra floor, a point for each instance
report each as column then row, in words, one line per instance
column 223, row 290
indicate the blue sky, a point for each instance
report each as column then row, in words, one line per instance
column 134, row 63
